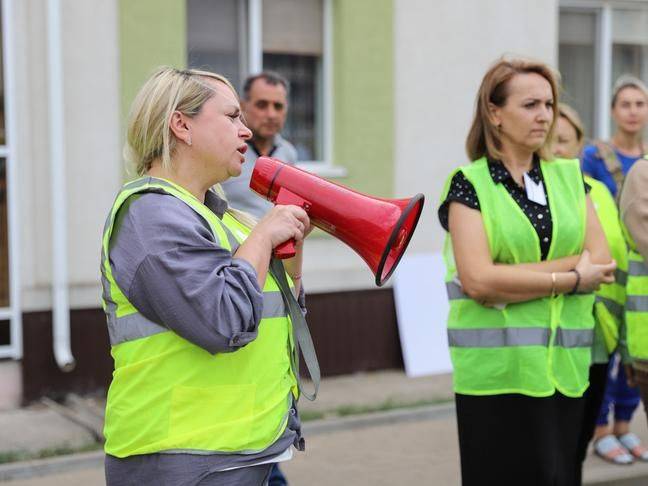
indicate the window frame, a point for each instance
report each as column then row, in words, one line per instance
column 14, row 350
column 603, row 48
column 325, row 166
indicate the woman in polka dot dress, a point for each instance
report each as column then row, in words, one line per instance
column 524, row 252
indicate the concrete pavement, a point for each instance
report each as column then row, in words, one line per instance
column 402, row 446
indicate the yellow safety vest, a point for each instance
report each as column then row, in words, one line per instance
column 609, row 308
column 536, row 347
column 170, row 395
column 637, row 300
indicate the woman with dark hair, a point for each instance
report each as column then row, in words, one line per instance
column 524, row 252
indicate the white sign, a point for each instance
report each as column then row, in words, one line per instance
column 422, row 310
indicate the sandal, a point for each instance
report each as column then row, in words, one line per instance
column 609, row 448
column 633, row 444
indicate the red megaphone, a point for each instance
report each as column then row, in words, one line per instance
column 378, row 229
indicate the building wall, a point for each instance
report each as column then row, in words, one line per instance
column 92, row 147
column 363, row 94
column 403, row 96
column 442, row 50
column 151, row 33
column 363, row 118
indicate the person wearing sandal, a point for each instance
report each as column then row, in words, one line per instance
column 610, row 298
column 524, row 251
column 609, row 162
column 619, row 446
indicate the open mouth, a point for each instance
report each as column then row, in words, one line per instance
column 242, row 149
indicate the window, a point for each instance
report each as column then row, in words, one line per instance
column 576, row 58
column 239, row 37
column 630, row 43
column 10, row 313
column 216, row 35
column 293, row 46
column 4, row 237
column 598, row 42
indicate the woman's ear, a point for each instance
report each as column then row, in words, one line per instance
column 179, row 125
column 494, row 115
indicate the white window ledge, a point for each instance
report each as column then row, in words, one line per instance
column 324, row 169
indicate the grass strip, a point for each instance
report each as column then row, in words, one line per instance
column 16, row 456
column 348, row 410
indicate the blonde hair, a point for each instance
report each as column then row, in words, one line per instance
column 571, row 115
column 484, row 138
column 627, row 81
column 149, row 136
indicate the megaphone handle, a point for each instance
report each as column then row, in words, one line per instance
column 285, row 250
column 285, row 197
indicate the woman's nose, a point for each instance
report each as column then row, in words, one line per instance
column 546, row 113
column 245, row 133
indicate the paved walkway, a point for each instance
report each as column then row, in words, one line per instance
column 415, row 446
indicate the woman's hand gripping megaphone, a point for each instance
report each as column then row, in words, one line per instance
column 285, row 198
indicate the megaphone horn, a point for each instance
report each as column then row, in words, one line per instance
column 377, row 229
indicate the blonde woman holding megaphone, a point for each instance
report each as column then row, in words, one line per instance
column 205, row 381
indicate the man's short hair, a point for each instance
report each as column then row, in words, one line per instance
column 270, row 77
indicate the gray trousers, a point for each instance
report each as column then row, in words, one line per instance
column 183, row 474
column 245, row 476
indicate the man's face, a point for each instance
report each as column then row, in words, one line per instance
column 265, row 110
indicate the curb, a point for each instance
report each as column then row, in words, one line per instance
column 44, row 467
column 614, row 475
column 354, row 422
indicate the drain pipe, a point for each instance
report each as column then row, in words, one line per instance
column 60, row 301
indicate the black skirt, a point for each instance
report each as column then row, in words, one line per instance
column 515, row 439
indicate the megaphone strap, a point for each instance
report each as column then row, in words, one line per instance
column 303, row 340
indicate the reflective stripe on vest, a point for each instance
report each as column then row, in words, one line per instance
column 637, row 269
column 621, row 277
column 549, row 339
column 615, row 308
column 168, row 394
column 455, row 291
column 637, row 303
column 136, row 326
column 519, row 336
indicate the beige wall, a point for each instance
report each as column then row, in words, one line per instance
column 93, row 167
column 443, row 49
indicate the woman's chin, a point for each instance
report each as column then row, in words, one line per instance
column 235, row 171
column 632, row 128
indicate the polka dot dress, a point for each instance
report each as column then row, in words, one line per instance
column 462, row 191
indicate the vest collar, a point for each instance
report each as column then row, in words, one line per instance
column 217, row 205
column 500, row 174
